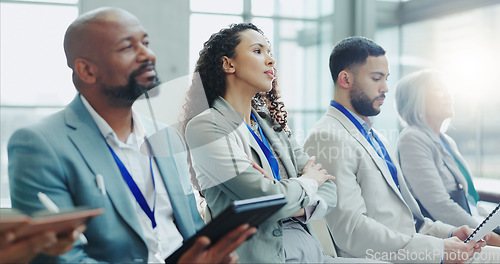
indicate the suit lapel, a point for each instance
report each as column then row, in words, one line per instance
column 379, row 162
column 92, row 146
column 176, row 184
column 262, row 157
column 450, row 162
column 225, row 109
column 254, row 145
column 403, row 192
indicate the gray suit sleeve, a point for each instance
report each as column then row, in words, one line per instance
column 420, row 171
column 222, row 162
column 34, row 166
column 327, row 191
column 354, row 231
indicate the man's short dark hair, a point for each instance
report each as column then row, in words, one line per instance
column 351, row 52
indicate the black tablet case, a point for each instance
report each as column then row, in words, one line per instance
column 252, row 211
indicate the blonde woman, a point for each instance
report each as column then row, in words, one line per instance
column 436, row 172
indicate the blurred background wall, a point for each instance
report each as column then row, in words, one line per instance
column 458, row 37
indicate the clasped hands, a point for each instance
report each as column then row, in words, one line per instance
column 311, row 170
column 456, row 251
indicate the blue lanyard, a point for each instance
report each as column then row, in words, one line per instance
column 139, row 197
column 266, row 148
column 384, row 155
column 470, row 185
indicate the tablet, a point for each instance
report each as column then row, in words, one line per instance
column 10, row 222
column 68, row 219
column 252, row 211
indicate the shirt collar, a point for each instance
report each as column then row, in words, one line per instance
column 106, row 130
column 363, row 123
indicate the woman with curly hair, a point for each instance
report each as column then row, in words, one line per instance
column 241, row 147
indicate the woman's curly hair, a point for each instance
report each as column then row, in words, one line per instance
column 209, row 82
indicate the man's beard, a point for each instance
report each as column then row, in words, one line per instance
column 361, row 102
column 132, row 90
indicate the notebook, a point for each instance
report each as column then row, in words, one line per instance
column 491, row 222
column 252, row 211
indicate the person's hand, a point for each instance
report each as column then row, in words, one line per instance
column 456, row 251
column 220, row 252
column 464, row 232
column 300, row 212
column 6, row 238
column 24, row 250
column 260, row 169
column 316, row 172
column 493, row 239
column 64, row 242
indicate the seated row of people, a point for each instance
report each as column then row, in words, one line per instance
column 238, row 146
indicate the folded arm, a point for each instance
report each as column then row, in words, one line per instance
column 220, row 159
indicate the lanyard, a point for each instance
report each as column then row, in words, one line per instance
column 139, row 197
column 266, row 148
column 384, row 155
column 471, row 189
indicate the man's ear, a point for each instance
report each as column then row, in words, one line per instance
column 227, row 64
column 345, row 79
column 86, row 70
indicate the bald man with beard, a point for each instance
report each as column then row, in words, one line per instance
column 89, row 154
